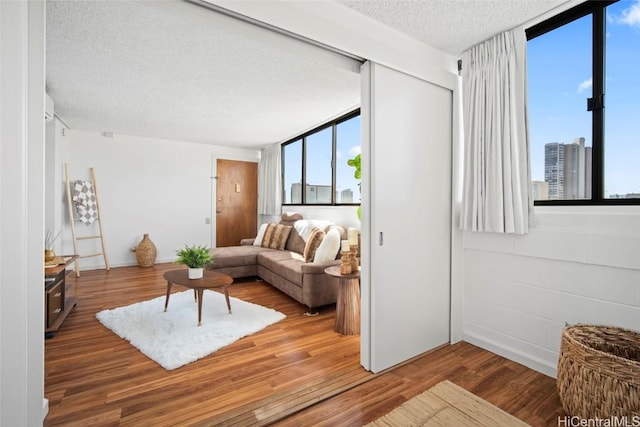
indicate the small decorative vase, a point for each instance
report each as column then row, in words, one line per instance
column 345, row 264
column 49, row 256
column 355, row 264
column 146, row 252
column 196, row 273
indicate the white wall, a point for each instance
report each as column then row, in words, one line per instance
column 21, row 220
column 580, row 265
column 145, row 185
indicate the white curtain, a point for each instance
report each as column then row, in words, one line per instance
column 497, row 195
column 269, row 181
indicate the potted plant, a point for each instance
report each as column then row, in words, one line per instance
column 194, row 257
column 49, row 240
column 357, row 174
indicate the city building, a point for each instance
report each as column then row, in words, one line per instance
column 313, row 193
column 319, row 194
column 346, row 196
column 540, row 190
column 567, row 170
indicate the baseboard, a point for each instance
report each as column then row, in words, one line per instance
column 100, row 266
column 513, row 354
column 45, row 408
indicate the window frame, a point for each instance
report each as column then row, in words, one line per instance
column 598, row 33
column 333, row 124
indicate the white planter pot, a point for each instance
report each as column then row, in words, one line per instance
column 196, row 273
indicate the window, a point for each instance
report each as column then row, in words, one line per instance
column 318, row 171
column 585, row 146
column 292, row 172
column 317, row 163
column 347, row 147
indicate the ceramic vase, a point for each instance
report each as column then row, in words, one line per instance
column 196, row 273
column 146, row 252
column 49, row 256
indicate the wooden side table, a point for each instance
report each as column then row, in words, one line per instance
column 348, row 304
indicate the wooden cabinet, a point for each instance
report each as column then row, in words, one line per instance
column 59, row 296
column 54, row 296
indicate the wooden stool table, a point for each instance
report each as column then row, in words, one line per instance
column 348, row 304
column 209, row 280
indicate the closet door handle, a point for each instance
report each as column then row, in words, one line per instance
column 381, row 239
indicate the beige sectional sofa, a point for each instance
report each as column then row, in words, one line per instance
column 282, row 263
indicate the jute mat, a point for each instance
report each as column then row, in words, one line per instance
column 447, row 404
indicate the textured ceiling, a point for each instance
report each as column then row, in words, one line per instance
column 174, row 70
column 178, row 71
column 452, row 26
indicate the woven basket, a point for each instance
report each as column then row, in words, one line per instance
column 599, row 372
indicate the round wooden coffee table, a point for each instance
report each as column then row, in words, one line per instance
column 348, row 301
column 209, row 280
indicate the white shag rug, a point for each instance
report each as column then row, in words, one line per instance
column 173, row 338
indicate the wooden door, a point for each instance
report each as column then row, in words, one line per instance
column 406, row 217
column 236, row 201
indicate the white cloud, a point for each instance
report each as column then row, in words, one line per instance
column 631, row 15
column 585, row 85
column 352, row 152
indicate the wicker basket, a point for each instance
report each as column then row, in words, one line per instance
column 599, row 372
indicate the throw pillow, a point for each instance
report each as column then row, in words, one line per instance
column 328, row 249
column 278, row 236
column 258, row 240
column 341, row 230
column 268, row 234
column 315, row 238
column 304, row 227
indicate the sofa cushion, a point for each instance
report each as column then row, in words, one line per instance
column 318, row 267
column 314, row 240
column 288, row 218
column 235, row 256
column 295, row 242
column 328, row 249
column 285, row 264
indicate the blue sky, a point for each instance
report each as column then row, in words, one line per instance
column 319, row 158
column 559, row 75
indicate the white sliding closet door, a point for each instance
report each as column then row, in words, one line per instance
column 407, row 143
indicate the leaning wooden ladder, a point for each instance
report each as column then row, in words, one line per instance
column 73, row 220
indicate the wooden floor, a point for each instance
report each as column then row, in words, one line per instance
column 297, row 372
